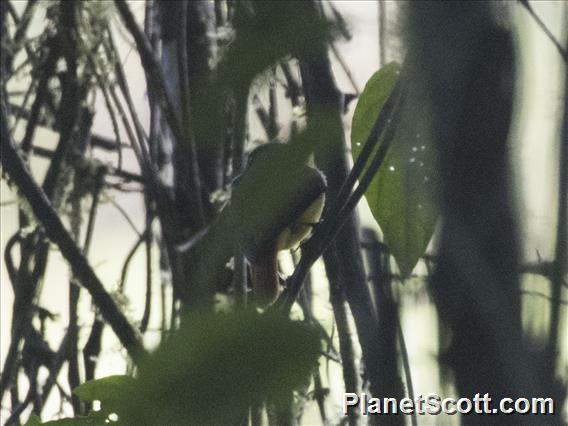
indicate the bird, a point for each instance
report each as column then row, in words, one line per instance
column 275, row 204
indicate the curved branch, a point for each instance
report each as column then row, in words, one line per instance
column 55, row 230
column 326, row 232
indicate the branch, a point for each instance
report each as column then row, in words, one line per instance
column 157, row 87
column 238, row 136
column 128, row 176
column 151, row 67
column 188, row 143
column 370, row 144
column 47, row 69
column 563, row 52
column 110, row 109
column 69, row 106
column 345, row 67
column 293, row 90
column 92, row 349
column 382, row 22
column 55, row 230
column 544, row 296
column 389, row 329
column 129, row 256
column 561, row 250
column 22, row 27
column 346, row 348
column 340, row 211
column 273, row 127
column 148, row 299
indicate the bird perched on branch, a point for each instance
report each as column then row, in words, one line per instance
column 274, row 206
column 275, row 203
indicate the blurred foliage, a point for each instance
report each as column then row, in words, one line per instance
column 267, row 31
column 402, row 195
column 208, row 372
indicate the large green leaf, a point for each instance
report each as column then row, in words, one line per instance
column 208, row 372
column 371, row 101
column 402, row 195
column 212, row 369
column 93, row 419
column 108, row 390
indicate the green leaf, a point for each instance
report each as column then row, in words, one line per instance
column 208, row 372
column 105, row 389
column 213, row 368
column 402, row 195
column 370, row 103
column 90, row 420
column 109, row 391
column 78, row 421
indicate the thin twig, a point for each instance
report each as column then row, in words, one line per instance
column 406, row 367
column 151, row 67
column 563, row 52
column 293, row 90
column 127, row 176
column 112, row 113
column 238, row 143
column 152, row 32
column 42, row 88
column 69, row 106
column 382, row 24
column 148, row 242
column 262, row 114
column 154, row 76
column 99, row 183
column 126, row 265
column 326, row 231
column 22, row 27
column 126, row 216
column 56, row 232
column 561, row 250
column 186, row 146
column 345, row 68
column 92, row 349
column 543, row 296
column 28, row 276
column 338, row 303
column 10, row 268
column 112, row 52
column 164, row 205
column 27, row 95
column 273, row 126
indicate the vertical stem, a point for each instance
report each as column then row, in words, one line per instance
column 74, row 292
column 389, row 331
column 340, row 313
column 272, row 109
column 324, row 110
column 219, row 13
column 475, row 285
column 406, row 365
column 382, row 31
column 92, row 348
column 148, row 240
column 239, row 137
column 559, row 270
column 186, row 146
